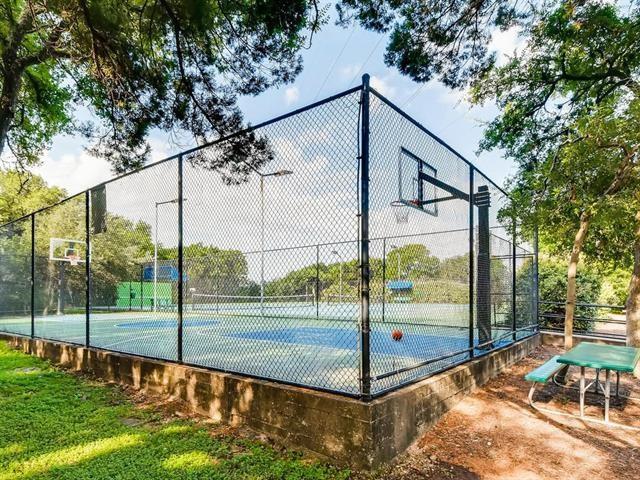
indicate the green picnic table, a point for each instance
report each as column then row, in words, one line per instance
column 601, row 357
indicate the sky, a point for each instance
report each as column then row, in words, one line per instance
column 336, row 61
column 316, row 204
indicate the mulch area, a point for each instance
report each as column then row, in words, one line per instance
column 494, row 434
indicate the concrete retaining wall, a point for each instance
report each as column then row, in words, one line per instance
column 556, row 339
column 349, row 431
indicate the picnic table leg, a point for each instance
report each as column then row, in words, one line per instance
column 533, row 388
column 582, row 391
column 607, row 390
column 597, row 382
column 617, row 384
column 561, row 376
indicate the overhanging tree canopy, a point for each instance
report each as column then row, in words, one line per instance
column 143, row 64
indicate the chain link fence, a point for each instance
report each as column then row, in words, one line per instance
column 341, row 247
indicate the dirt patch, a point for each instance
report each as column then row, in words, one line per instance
column 494, row 434
column 131, row 422
column 28, row 370
column 164, row 408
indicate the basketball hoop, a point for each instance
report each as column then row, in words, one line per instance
column 67, row 250
column 73, row 260
column 401, row 212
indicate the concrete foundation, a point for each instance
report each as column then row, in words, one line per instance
column 351, row 432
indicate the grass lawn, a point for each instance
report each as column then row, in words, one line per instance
column 54, row 425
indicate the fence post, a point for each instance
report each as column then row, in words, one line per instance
column 471, row 261
column 483, row 292
column 317, row 285
column 536, row 293
column 365, row 354
column 87, row 266
column 514, row 281
column 384, row 277
column 180, row 256
column 33, row 275
column 141, row 287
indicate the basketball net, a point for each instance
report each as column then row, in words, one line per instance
column 73, row 260
column 401, row 212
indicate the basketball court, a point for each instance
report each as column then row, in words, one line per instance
column 324, row 339
column 265, row 276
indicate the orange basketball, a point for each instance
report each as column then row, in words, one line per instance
column 396, row 335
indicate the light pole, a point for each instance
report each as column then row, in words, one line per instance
column 395, row 247
column 335, row 252
column 279, row 173
column 411, row 267
column 155, row 255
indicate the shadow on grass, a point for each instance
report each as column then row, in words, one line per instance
column 57, row 426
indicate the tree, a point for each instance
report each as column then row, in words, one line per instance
column 138, row 65
column 21, row 194
column 446, row 39
column 633, row 301
column 299, row 282
column 577, row 70
column 583, row 193
column 569, row 106
column 116, row 251
column 211, row 270
column 58, row 284
column 412, row 261
column 455, row 268
column 615, row 286
column 553, row 287
column 117, row 255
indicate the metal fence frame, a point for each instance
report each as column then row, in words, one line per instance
column 364, row 267
column 591, row 322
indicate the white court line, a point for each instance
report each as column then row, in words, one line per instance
column 125, row 341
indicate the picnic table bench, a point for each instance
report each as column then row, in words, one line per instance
column 588, row 355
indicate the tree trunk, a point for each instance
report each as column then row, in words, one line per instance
column 12, row 71
column 8, row 99
column 570, row 307
column 633, row 301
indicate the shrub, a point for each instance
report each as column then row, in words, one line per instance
column 615, row 287
column 553, row 288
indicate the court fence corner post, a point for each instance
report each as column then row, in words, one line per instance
column 33, row 275
column 180, row 257
column 471, row 261
column 514, row 281
column 365, row 327
column 536, row 280
column 87, row 267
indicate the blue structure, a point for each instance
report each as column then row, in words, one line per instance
column 167, row 273
column 400, row 286
column 400, row 290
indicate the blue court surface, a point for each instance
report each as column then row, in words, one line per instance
column 413, row 344
column 314, row 346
